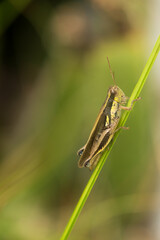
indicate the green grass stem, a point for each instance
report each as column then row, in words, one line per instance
column 136, row 92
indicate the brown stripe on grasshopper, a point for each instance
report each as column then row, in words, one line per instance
column 105, row 139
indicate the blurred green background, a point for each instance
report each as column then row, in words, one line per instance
column 54, row 78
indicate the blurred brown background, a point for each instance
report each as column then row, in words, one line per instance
column 53, row 79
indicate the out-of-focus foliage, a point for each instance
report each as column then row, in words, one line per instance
column 54, row 79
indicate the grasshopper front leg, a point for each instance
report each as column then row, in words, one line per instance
column 129, row 108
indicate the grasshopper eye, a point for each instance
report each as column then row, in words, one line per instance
column 112, row 90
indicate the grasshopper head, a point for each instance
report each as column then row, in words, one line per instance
column 119, row 95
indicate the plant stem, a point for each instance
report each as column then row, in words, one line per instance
column 135, row 93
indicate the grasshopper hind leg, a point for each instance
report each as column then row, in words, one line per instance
column 91, row 163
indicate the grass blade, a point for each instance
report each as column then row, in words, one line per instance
column 136, row 92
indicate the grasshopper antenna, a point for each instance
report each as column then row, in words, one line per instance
column 112, row 74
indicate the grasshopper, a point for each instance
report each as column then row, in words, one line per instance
column 105, row 125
